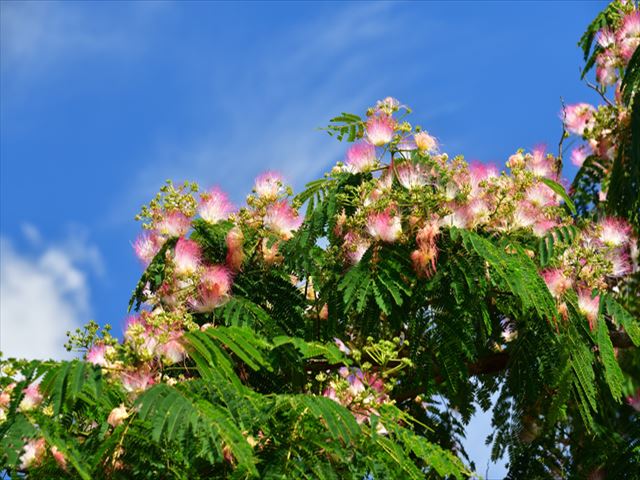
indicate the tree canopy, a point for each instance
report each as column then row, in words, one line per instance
column 350, row 330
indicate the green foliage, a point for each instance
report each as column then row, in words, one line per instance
column 346, row 124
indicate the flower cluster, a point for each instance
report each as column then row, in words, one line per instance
column 602, row 253
column 192, row 283
column 617, row 46
column 360, row 392
column 600, row 127
column 418, row 191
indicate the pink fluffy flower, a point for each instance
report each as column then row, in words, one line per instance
column 425, row 142
column 118, row 415
column 388, row 105
column 361, row 157
column 282, row 219
column 540, row 195
column 458, row 218
column 32, row 398
column 98, row 354
column 380, row 129
column 477, row 212
column 269, row 185
column 589, row 306
column 525, row 215
column 480, row 172
column 355, row 247
column 540, row 164
column 557, row 282
column 614, row 232
column 147, row 245
column 5, row 395
column 405, row 148
column 385, row 226
column 628, row 36
column 214, row 206
column 214, row 289
column 173, row 224
column 172, row 351
column 606, row 71
column 34, row 451
column 137, row 381
column 235, row 251
column 579, row 117
column 580, row 154
column 620, row 263
column 606, row 38
column 186, row 256
column 59, row 457
column 541, row 227
column 412, row 176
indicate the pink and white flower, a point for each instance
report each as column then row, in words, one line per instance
column 235, row 251
column 628, row 36
column 384, row 226
column 32, row 398
column 214, row 206
column 173, row 224
column 98, row 354
column 606, row 68
column 589, row 306
column 541, row 164
column 614, row 232
column 172, row 351
column 282, row 219
column 459, row 217
column 147, row 245
column 412, row 176
column 524, row 215
column 540, row 195
column 425, row 142
column 380, row 129
column 214, row 289
column 355, row 247
column 579, row 117
column 34, row 451
column 5, row 395
column 361, row 157
column 388, row 105
column 557, row 282
column 59, row 457
column 269, row 185
column 620, row 263
column 606, row 38
column 187, row 257
column 580, row 154
column 480, row 172
column 137, row 381
column 541, row 227
column 405, row 148
column 118, row 415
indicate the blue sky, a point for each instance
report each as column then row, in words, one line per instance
column 101, row 102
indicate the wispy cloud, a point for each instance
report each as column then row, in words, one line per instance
column 44, row 293
column 37, row 35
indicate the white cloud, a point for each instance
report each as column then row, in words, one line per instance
column 37, row 35
column 43, row 295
